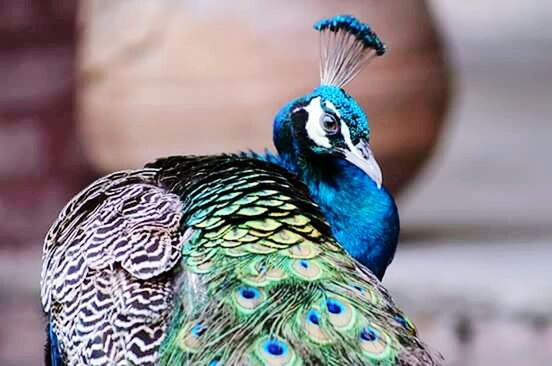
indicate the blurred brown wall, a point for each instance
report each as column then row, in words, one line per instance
column 40, row 161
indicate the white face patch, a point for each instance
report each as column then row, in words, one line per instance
column 313, row 127
column 331, row 106
column 347, row 136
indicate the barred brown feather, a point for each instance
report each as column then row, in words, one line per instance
column 105, row 265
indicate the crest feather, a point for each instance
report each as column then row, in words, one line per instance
column 346, row 45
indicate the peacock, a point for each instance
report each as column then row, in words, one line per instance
column 233, row 259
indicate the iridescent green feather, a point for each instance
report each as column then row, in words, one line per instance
column 260, row 289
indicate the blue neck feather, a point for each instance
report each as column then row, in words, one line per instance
column 364, row 218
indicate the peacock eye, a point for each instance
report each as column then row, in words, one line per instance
column 329, row 124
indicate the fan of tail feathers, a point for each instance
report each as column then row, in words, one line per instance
column 218, row 260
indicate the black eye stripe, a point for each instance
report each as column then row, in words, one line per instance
column 332, row 113
column 300, row 116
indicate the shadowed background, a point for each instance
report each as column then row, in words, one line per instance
column 467, row 84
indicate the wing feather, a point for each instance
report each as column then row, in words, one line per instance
column 107, row 280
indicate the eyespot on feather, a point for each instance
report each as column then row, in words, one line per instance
column 310, row 321
column 375, row 343
column 274, row 351
column 189, row 337
column 340, row 314
column 247, row 298
column 306, row 270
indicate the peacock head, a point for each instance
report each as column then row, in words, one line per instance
column 328, row 122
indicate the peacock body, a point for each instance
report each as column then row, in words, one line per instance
column 248, row 259
column 219, row 260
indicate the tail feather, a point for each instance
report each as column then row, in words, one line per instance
column 52, row 353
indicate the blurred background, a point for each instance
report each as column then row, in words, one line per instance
column 461, row 110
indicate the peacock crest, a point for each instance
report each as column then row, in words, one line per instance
column 346, row 46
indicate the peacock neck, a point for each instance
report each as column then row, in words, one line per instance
column 363, row 217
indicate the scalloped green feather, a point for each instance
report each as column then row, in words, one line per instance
column 264, row 224
column 252, row 211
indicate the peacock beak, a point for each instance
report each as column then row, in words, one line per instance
column 361, row 156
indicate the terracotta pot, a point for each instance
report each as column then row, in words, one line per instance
column 199, row 77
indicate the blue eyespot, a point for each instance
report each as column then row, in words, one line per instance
column 334, row 307
column 275, row 347
column 358, row 288
column 401, row 320
column 249, row 293
column 198, row 330
column 304, row 263
column 313, row 317
column 369, row 334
